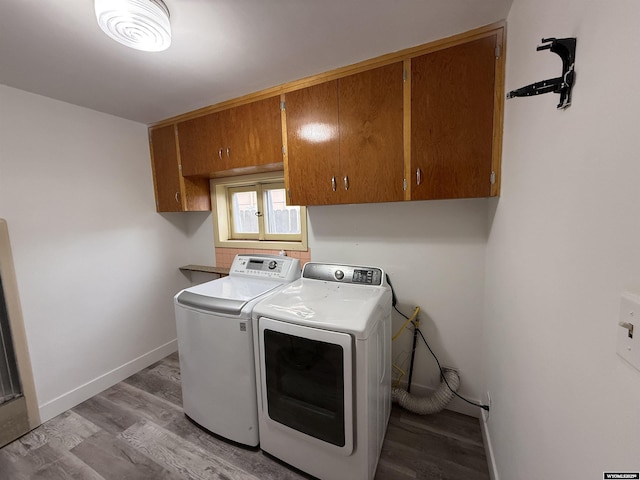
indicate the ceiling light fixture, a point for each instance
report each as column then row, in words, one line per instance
column 140, row 24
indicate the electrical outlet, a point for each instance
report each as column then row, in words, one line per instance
column 487, row 401
column 628, row 346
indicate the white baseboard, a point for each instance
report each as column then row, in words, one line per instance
column 460, row 406
column 488, row 449
column 84, row 392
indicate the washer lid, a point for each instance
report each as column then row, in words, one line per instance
column 328, row 305
column 225, row 295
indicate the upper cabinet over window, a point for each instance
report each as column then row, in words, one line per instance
column 254, row 134
column 240, row 137
column 344, row 139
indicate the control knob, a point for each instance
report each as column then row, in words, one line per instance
column 272, row 264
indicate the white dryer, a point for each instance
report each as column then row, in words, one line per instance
column 215, row 344
column 323, row 353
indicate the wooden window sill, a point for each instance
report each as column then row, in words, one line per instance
column 223, row 272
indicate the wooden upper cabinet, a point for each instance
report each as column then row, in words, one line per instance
column 166, row 169
column 428, row 125
column 200, row 141
column 344, row 139
column 313, row 148
column 452, row 121
column 173, row 192
column 371, row 141
column 253, row 134
column 249, row 135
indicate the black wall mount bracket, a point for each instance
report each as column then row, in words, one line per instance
column 566, row 49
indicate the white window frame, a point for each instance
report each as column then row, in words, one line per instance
column 230, row 190
column 222, row 218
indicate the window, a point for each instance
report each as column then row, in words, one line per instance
column 260, row 211
column 243, row 212
column 252, row 212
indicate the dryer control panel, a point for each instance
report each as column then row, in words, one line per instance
column 266, row 266
column 343, row 273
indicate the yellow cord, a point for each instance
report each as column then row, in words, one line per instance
column 410, row 319
column 400, row 374
column 416, row 322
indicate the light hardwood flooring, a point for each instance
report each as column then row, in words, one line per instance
column 137, row 430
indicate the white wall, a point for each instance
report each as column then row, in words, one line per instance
column 434, row 253
column 564, row 244
column 96, row 266
column 201, row 250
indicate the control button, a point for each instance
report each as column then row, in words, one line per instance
column 339, row 274
column 272, row 264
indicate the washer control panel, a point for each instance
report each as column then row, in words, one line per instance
column 265, row 266
column 343, row 273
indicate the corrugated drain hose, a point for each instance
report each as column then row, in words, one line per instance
column 433, row 403
column 439, row 399
column 447, row 389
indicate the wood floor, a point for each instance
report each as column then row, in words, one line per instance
column 137, row 430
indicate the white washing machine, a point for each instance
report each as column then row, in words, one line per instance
column 323, row 354
column 215, row 344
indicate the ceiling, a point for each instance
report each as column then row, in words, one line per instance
column 221, row 49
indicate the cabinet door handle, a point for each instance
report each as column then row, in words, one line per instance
column 228, row 152
column 220, row 154
column 177, row 197
column 333, row 183
column 346, row 182
column 418, row 176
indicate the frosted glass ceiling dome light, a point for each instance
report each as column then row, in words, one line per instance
column 140, row 24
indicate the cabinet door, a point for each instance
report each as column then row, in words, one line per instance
column 201, row 145
column 452, row 108
column 371, row 135
column 253, row 134
column 173, row 192
column 313, row 154
column 166, row 173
